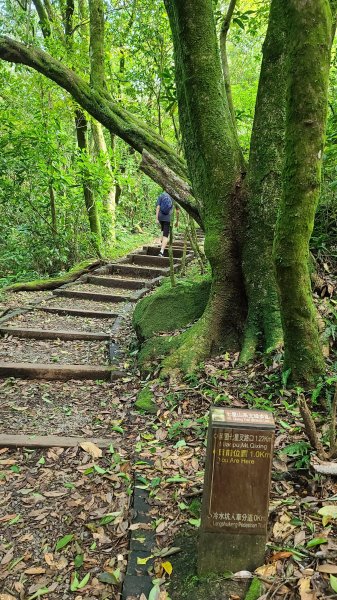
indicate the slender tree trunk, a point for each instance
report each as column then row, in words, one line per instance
column 97, row 78
column 44, row 18
column 309, row 28
column 214, row 162
column 52, row 207
column 263, row 190
column 109, row 200
column 224, row 59
column 94, row 222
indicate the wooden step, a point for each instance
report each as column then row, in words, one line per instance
column 48, row 441
column 154, row 251
column 132, row 284
column 145, row 259
column 94, row 296
column 52, row 334
column 128, row 269
column 77, row 312
column 57, row 372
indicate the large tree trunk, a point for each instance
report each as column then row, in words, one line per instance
column 214, row 162
column 263, row 190
column 308, row 24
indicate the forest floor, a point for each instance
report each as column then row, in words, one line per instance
column 66, row 513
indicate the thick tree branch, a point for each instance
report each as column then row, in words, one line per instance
column 98, row 103
column 178, row 188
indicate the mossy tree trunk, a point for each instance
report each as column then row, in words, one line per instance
column 309, row 28
column 263, row 190
column 214, row 161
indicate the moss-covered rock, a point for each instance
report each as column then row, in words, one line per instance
column 145, row 401
column 168, row 309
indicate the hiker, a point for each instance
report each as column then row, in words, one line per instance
column 164, row 213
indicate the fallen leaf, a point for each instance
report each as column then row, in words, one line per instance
column 306, row 593
column 8, row 557
column 281, row 555
column 167, row 566
column 92, row 449
column 327, row 568
column 266, row 570
column 35, row 571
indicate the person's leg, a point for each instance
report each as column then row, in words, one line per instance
column 165, row 238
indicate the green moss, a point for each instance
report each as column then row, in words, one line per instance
column 156, row 348
column 168, row 309
column 255, row 590
column 185, row 583
column 145, row 401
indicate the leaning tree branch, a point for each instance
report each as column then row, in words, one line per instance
column 98, row 103
column 178, row 188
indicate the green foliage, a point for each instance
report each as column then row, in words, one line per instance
column 300, row 451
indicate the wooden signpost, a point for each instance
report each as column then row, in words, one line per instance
column 236, row 490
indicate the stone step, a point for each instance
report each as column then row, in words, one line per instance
column 132, row 284
column 146, row 260
column 77, row 312
column 94, row 296
column 58, row 372
column 138, row 271
column 45, row 334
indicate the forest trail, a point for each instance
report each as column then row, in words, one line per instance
column 69, row 433
column 76, row 331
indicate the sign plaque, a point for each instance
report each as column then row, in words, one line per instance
column 236, row 490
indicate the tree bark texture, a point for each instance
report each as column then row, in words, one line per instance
column 96, row 11
column 309, row 27
column 263, row 191
column 214, row 162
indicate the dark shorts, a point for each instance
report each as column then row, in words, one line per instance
column 165, row 227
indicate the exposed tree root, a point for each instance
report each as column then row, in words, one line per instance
column 263, row 330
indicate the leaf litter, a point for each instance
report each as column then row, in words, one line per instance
column 67, row 512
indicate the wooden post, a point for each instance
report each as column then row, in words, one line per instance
column 236, row 490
